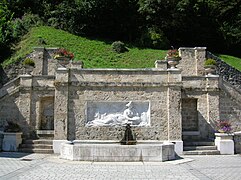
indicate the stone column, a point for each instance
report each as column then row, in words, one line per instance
column 61, row 104
column 200, row 56
column 174, row 109
column 213, row 114
column 161, row 64
column 192, row 60
column 24, row 105
column 38, row 57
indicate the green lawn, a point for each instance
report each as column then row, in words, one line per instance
column 232, row 61
column 94, row 53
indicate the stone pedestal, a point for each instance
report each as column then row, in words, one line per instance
column 11, row 141
column 224, row 143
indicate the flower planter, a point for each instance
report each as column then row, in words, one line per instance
column 28, row 69
column 210, row 69
column 11, row 141
column 224, row 143
column 63, row 60
column 173, row 61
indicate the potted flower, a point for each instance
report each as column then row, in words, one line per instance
column 224, row 126
column 210, row 66
column 224, row 137
column 63, row 56
column 173, row 58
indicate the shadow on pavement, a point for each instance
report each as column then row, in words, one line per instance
column 13, row 154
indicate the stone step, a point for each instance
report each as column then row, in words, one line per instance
column 36, row 146
column 38, row 141
column 190, row 148
column 198, row 143
column 202, row 152
column 42, row 151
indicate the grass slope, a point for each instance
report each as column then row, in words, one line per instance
column 94, row 53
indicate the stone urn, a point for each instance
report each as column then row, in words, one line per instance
column 63, row 61
column 28, row 69
column 210, row 69
column 173, row 61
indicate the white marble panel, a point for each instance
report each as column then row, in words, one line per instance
column 118, row 113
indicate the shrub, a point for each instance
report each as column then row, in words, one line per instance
column 154, row 38
column 21, row 26
column 29, row 61
column 119, row 47
column 209, row 62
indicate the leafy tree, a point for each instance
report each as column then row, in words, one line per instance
column 5, row 32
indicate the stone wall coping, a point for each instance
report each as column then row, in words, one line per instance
column 224, row 134
column 174, row 70
column 62, row 69
column 11, row 82
column 125, row 84
column 189, row 48
column 10, row 133
column 238, row 133
column 114, row 142
column 212, row 76
column 25, row 76
column 44, row 76
column 119, row 70
column 191, row 78
column 43, row 48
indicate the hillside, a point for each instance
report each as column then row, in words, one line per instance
column 94, row 53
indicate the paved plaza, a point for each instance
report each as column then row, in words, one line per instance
column 41, row 166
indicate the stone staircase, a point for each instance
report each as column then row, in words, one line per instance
column 200, row 148
column 43, row 145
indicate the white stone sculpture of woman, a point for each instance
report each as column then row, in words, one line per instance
column 131, row 115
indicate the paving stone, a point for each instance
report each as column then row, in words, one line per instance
column 42, row 166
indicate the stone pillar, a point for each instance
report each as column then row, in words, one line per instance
column 213, row 114
column 192, row 60
column 38, row 57
column 61, row 104
column 161, row 64
column 224, row 143
column 200, row 57
column 24, row 105
column 174, row 109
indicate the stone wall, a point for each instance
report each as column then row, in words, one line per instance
column 230, row 106
column 175, row 96
column 206, row 91
column 77, row 87
column 227, row 72
column 189, row 115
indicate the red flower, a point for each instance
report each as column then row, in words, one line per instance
column 63, row 53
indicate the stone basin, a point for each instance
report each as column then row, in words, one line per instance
column 112, row 151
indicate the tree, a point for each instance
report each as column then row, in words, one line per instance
column 5, row 31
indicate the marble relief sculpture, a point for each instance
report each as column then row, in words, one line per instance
column 130, row 116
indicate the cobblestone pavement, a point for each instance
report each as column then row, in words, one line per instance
column 40, row 166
